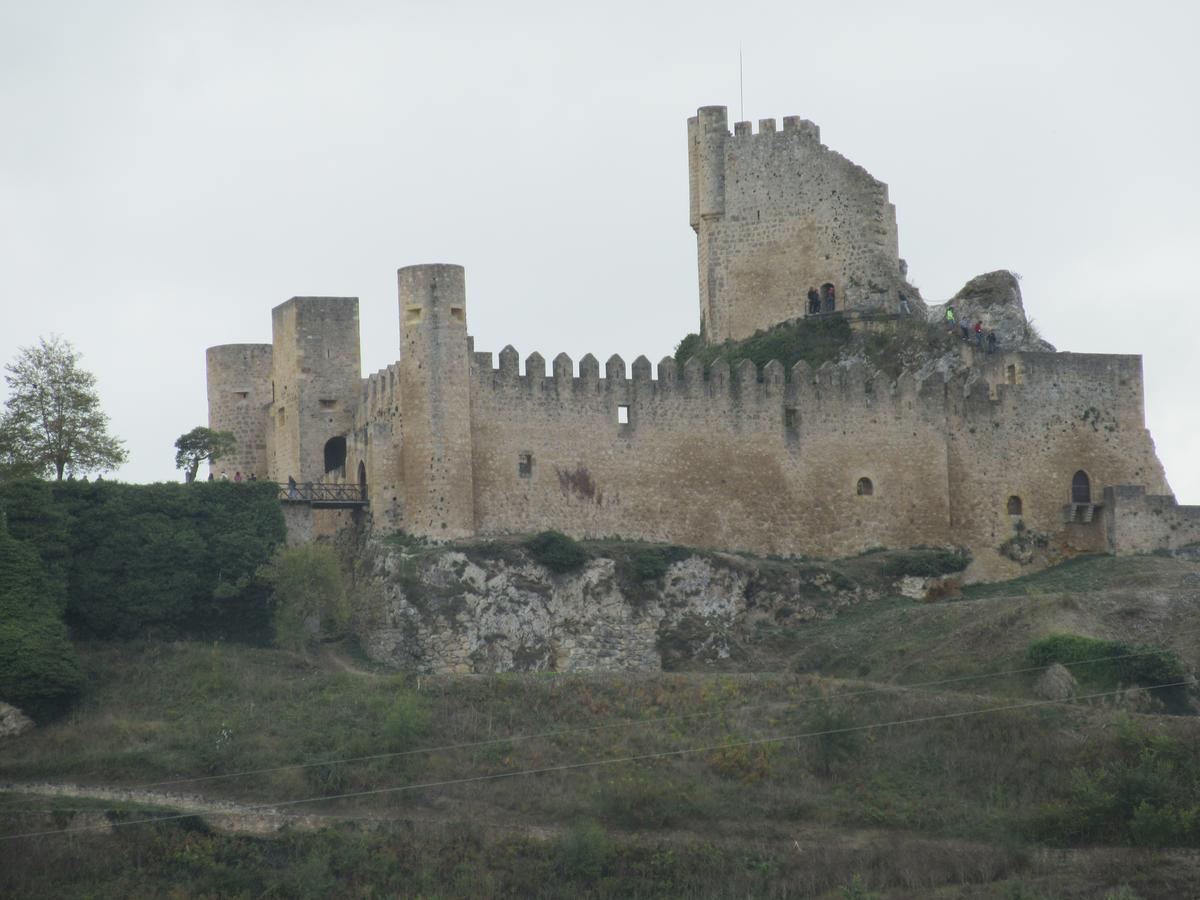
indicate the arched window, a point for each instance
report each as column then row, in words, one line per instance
column 1081, row 488
column 335, row 455
column 865, row 488
column 1014, row 505
column 362, row 478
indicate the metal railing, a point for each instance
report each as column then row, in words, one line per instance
column 318, row 492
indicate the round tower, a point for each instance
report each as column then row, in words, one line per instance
column 435, row 398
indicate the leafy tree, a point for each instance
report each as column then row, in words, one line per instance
column 38, row 668
column 54, row 422
column 200, row 445
column 309, row 595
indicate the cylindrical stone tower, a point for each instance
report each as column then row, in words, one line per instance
column 239, row 397
column 435, row 392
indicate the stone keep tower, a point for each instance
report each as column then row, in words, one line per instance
column 316, row 377
column 435, row 399
column 777, row 213
column 239, row 397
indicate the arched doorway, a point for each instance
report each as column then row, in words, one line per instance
column 335, row 455
column 1081, row 488
column 362, row 479
column 865, row 487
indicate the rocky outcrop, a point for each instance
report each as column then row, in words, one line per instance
column 13, row 721
column 995, row 300
column 463, row 611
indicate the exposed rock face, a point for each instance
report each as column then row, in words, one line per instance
column 13, row 721
column 995, row 300
column 450, row 612
column 1056, row 683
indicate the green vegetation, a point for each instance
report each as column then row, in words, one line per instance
column 162, row 560
column 201, row 445
column 308, row 595
column 903, row 344
column 1116, row 664
column 556, row 551
column 38, row 668
column 926, row 562
column 53, row 424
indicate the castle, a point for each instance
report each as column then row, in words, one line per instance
column 449, row 443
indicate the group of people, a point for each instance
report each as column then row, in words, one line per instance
column 953, row 324
column 237, row 477
column 825, row 301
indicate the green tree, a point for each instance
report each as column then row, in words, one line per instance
column 38, row 668
column 200, row 445
column 54, row 422
column 308, row 593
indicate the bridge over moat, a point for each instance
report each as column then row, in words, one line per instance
column 320, row 495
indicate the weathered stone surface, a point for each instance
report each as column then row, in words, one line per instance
column 995, row 300
column 13, row 721
column 448, row 613
column 1056, row 683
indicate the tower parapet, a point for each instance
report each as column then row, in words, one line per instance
column 777, row 213
column 435, row 391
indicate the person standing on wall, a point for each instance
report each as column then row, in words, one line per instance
column 905, row 310
column 950, row 319
column 979, row 334
column 814, row 302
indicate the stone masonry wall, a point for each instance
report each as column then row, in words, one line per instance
column 1140, row 522
column 724, row 461
column 776, row 213
column 239, row 394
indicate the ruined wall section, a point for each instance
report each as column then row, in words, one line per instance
column 239, row 397
column 435, row 389
column 317, row 379
column 1025, row 427
column 374, row 445
column 1138, row 522
column 763, row 461
column 777, row 212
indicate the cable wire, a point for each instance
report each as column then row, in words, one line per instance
column 568, row 767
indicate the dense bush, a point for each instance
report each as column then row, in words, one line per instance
column 556, row 551
column 651, row 563
column 926, row 562
column 38, row 669
column 308, row 595
column 1106, row 664
column 152, row 560
column 816, row 341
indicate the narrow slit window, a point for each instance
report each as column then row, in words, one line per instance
column 1010, row 374
column 791, row 418
column 241, row 395
column 623, row 414
column 525, row 465
column 1014, row 505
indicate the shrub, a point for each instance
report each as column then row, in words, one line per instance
column 308, row 595
column 651, row 563
column 584, row 851
column 38, row 668
column 556, row 551
column 407, row 720
column 926, row 562
column 1107, row 664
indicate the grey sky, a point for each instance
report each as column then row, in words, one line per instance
column 170, row 172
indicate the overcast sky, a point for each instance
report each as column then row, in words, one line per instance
column 169, row 172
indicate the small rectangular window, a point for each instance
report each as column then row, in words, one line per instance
column 328, row 404
column 241, row 395
column 412, row 314
column 623, row 414
column 525, row 465
column 791, row 418
column 456, row 313
column 1011, row 374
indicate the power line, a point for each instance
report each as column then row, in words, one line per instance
column 568, row 767
column 630, row 723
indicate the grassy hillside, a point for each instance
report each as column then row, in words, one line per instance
column 798, row 785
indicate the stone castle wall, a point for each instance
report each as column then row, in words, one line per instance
column 722, row 461
column 777, row 213
column 239, row 392
column 1137, row 521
